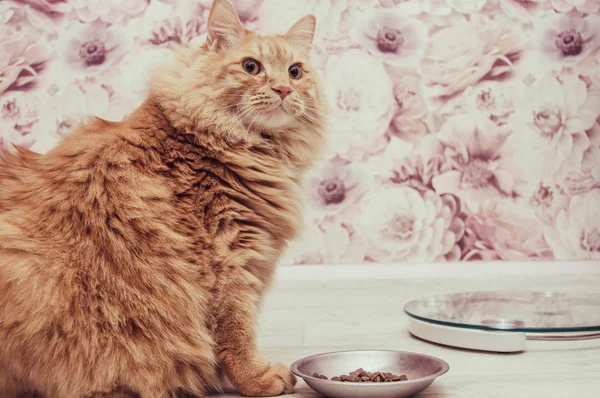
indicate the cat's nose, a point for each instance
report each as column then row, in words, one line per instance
column 283, row 91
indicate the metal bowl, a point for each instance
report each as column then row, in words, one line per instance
column 421, row 370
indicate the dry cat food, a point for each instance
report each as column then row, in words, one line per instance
column 362, row 376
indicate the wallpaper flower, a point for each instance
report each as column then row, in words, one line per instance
column 461, row 130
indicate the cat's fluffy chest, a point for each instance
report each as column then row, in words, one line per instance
column 217, row 195
column 242, row 211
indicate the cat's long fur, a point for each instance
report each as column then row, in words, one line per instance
column 134, row 255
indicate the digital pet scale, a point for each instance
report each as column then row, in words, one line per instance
column 503, row 321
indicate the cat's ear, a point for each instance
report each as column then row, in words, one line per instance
column 301, row 35
column 224, row 27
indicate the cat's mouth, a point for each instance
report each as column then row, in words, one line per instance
column 278, row 107
column 277, row 115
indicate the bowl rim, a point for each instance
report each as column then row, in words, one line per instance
column 297, row 363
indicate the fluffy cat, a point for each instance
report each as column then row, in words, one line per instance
column 134, row 255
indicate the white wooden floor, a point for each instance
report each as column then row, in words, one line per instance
column 320, row 309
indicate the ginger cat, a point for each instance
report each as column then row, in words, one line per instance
column 134, row 255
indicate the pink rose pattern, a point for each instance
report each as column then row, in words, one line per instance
column 461, row 130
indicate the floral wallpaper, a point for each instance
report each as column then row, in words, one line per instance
column 461, row 129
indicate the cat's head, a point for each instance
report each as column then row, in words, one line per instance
column 261, row 82
column 264, row 81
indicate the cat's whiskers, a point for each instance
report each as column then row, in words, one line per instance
column 311, row 121
column 239, row 117
column 233, row 122
column 310, row 103
column 255, row 117
column 314, row 110
column 226, row 107
column 314, row 118
column 311, row 111
column 240, row 105
column 262, row 101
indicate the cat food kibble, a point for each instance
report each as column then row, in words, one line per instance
column 362, row 376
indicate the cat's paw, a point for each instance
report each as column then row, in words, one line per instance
column 275, row 381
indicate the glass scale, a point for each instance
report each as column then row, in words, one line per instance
column 503, row 321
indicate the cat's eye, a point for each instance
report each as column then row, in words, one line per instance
column 251, row 66
column 295, row 71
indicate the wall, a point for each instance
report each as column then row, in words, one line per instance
column 462, row 130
